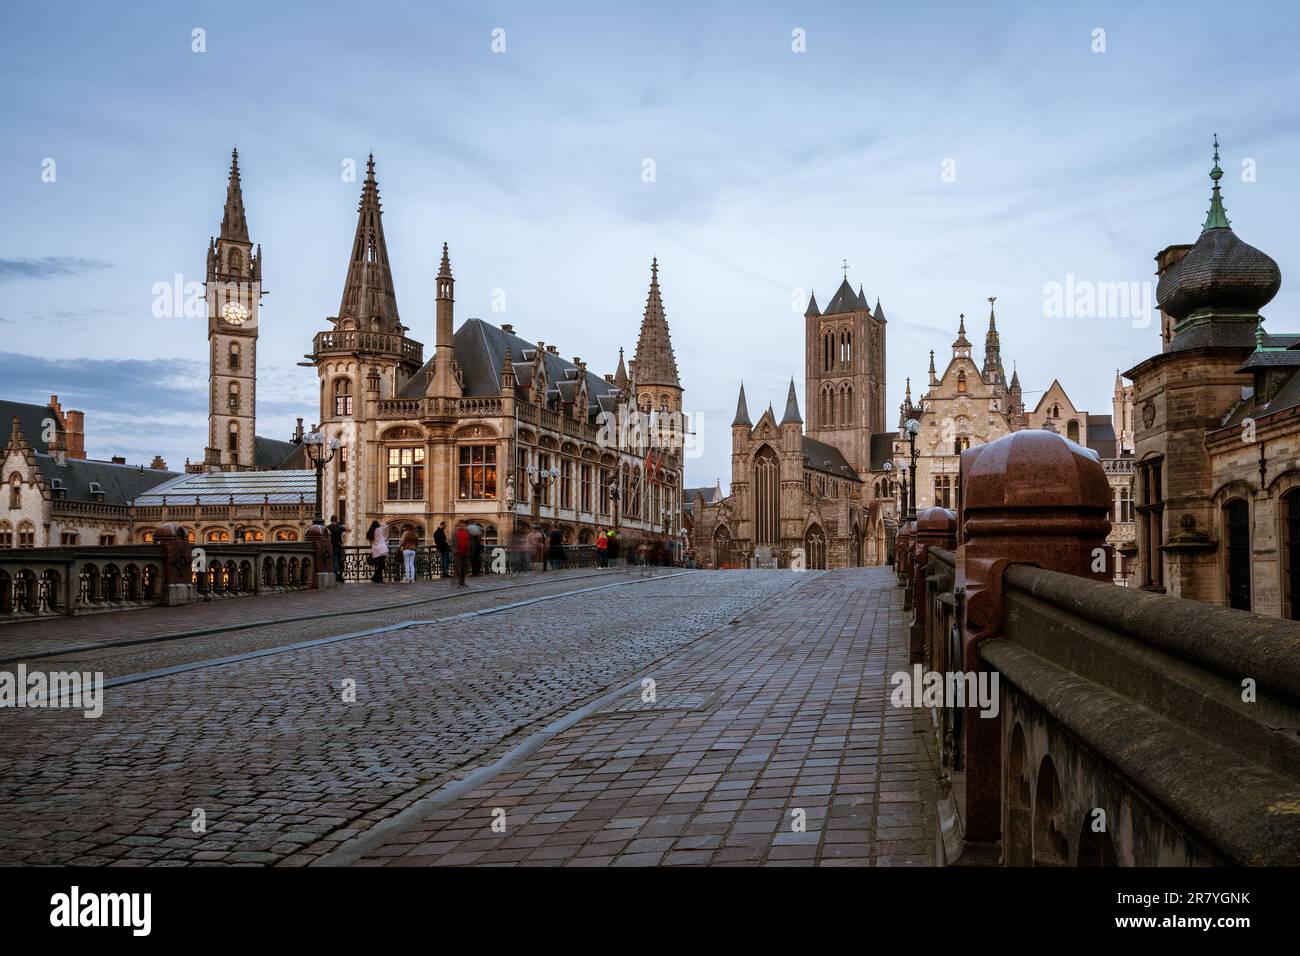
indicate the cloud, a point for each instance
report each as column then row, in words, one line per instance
column 50, row 267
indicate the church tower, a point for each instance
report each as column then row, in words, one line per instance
column 844, row 373
column 654, row 367
column 234, row 295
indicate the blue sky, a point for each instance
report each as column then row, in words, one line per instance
column 771, row 167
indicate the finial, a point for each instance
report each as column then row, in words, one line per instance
column 1217, row 217
column 1259, row 335
column 845, row 269
column 654, row 267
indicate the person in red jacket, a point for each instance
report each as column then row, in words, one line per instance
column 462, row 550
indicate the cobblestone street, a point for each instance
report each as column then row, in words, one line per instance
column 520, row 707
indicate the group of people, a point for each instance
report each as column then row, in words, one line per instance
column 460, row 552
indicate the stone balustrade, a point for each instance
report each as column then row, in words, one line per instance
column 1129, row 728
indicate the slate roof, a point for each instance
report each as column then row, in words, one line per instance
column 480, row 349
column 827, row 459
column 845, row 300
column 119, row 483
column 882, row 449
column 30, row 420
column 1278, row 358
column 1101, row 435
column 247, row 487
column 271, row 453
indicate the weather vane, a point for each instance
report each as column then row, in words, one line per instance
column 845, row 268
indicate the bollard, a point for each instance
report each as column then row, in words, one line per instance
column 177, row 585
column 1031, row 497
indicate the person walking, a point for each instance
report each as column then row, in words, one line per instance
column 536, row 548
column 378, row 550
column 336, row 529
column 557, row 549
column 410, row 541
column 462, row 546
column 602, row 549
column 444, row 550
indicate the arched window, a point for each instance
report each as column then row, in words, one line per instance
column 1056, row 411
column 234, row 355
column 1291, row 554
column 233, row 395
column 961, row 381
column 847, row 405
column 342, row 397
column 1236, row 533
column 814, row 548
column 767, row 497
column 232, row 438
column 15, row 491
column 218, row 535
column 236, row 261
column 1072, row 431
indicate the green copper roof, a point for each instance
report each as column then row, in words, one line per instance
column 1217, row 218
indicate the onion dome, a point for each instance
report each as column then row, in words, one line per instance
column 1220, row 275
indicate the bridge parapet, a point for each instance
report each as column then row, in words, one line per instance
column 1130, row 728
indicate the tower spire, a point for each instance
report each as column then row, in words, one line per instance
column 742, row 411
column 792, row 416
column 1217, row 217
column 993, row 372
column 369, row 300
column 234, row 226
column 654, row 361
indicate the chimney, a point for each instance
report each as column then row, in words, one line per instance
column 508, row 329
column 118, row 460
column 158, row 463
column 75, row 425
column 297, row 434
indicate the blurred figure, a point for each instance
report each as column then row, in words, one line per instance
column 461, row 549
column 556, row 549
column 602, row 549
column 378, row 550
column 444, row 550
column 410, row 541
column 475, row 548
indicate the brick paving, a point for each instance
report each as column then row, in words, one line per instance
column 285, row 770
column 796, row 723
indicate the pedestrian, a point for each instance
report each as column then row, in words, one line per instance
column 602, row 549
column 536, row 548
column 462, row 547
column 475, row 548
column 556, row 549
column 444, row 550
column 378, row 550
column 336, row 530
column 410, row 541
column 613, row 548
column 519, row 552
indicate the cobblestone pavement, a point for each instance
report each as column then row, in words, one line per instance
column 781, row 720
column 282, row 769
column 26, row 639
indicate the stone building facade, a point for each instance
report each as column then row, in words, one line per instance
column 817, row 496
column 1217, row 422
column 492, row 428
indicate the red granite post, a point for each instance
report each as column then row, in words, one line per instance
column 323, row 556
column 177, row 584
column 935, row 527
column 1031, row 497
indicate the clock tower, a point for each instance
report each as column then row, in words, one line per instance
column 234, row 294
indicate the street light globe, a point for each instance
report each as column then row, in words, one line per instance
column 912, row 426
column 335, row 444
column 315, row 438
column 889, row 466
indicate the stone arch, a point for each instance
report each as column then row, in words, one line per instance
column 1017, row 840
column 814, row 547
column 1095, row 849
column 1050, row 847
column 767, row 495
column 721, row 544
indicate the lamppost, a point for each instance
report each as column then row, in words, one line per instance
column 912, row 426
column 538, row 479
column 316, row 446
column 615, row 492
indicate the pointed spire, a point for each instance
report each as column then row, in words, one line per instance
column 845, row 300
column 862, row 299
column 620, row 376
column 792, row 416
column 234, row 226
column 879, row 314
column 993, row 371
column 508, row 371
column 742, row 411
column 368, row 296
column 907, row 392
column 932, row 372
column 444, row 268
column 654, row 361
column 962, row 342
column 811, row 311
column 1217, row 217
column 1015, row 376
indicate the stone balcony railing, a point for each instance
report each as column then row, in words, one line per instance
column 1118, row 466
column 356, row 340
column 1130, row 728
column 415, row 409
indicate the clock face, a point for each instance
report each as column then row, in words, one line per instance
column 234, row 313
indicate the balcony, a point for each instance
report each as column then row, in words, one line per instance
column 355, row 340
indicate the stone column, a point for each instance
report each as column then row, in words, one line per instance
column 1034, row 498
column 176, row 586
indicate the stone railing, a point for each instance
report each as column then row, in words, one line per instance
column 50, row 582
column 1127, row 728
column 493, row 559
column 355, row 340
column 417, row 408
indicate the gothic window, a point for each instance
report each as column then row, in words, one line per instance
column 6, row 537
column 1236, row 521
column 477, row 472
column 961, row 381
column 1150, row 509
column 232, row 440
column 943, row 491
column 584, row 478
column 234, row 355
column 847, row 409
column 828, row 350
column 663, row 403
column 1056, row 411
column 1072, row 431
column 814, row 548
column 15, row 492
column 236, row 262
column 342, row 398
column 233, row 395
column 521, row 475
column 767, row 497
column 566, row 483
column 848, row 348
column 405, row 474
column 1291, row 554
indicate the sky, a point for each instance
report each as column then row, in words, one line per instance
column 947, row 152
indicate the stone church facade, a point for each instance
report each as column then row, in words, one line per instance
column 817, row 496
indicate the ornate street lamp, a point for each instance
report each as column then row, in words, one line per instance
column 902, row 494
column 538, row 479
column 912, row 426
column 615, row 492
column 316, row 454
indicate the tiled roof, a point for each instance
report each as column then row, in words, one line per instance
column 828, row 459
column 31, row 420
column 118, row 483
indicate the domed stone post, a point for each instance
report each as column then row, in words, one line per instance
column 935, row 527
column 177, row 585
column 323, row 557
column 1030, row 497
column 905, row 540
